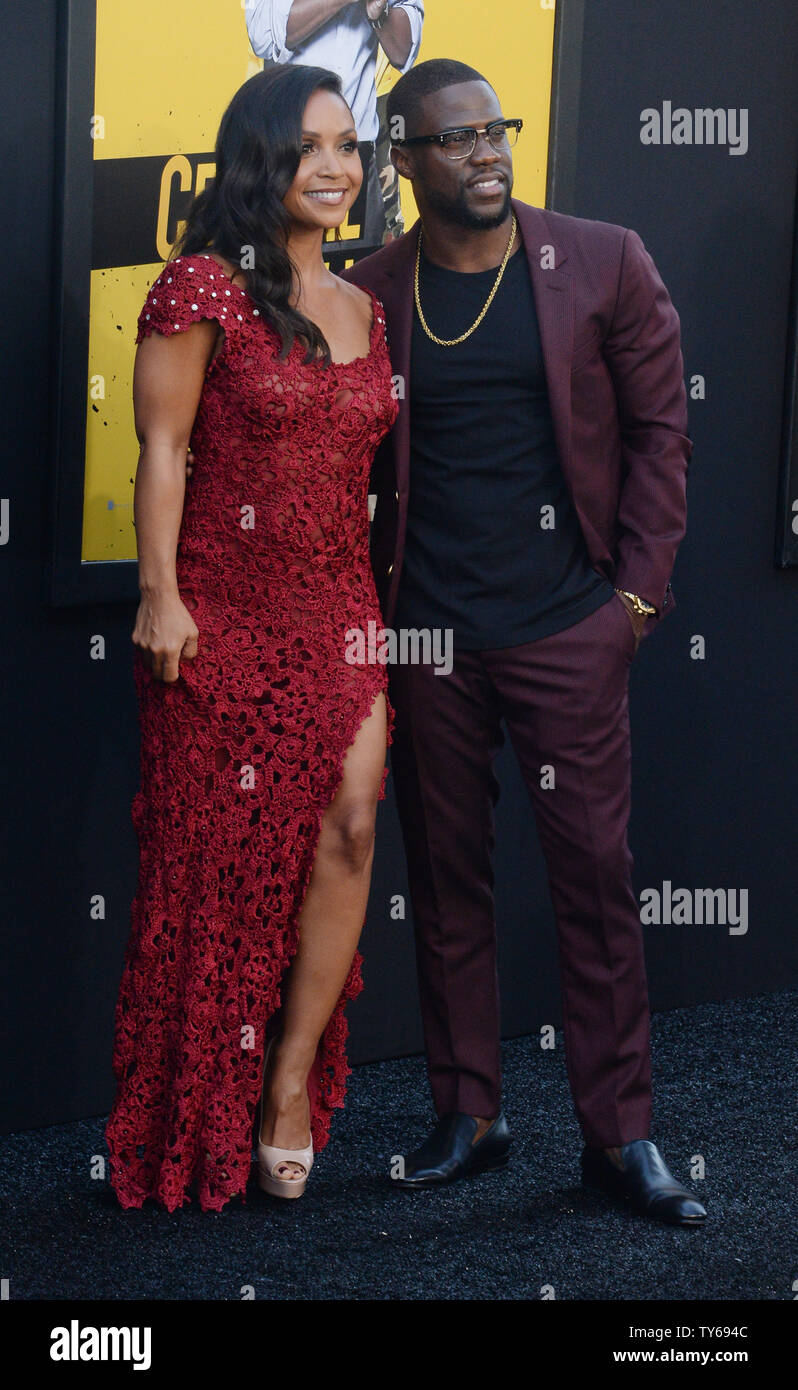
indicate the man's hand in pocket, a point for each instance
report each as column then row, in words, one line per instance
column 638, row 620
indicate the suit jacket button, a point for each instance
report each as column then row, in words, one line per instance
column 390, row 569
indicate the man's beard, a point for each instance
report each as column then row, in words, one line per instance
column 457, row 211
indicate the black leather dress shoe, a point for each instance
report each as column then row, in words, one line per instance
column 645, row 1182
column 448, row 1152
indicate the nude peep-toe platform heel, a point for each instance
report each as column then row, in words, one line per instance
column 271, row 1158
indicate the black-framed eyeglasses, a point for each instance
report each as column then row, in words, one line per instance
column 459, row 144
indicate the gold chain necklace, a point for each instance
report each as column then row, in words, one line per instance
column 452, row 342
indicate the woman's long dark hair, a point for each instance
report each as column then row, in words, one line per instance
column 258, row 150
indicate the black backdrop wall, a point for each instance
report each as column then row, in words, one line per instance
column 715, row 750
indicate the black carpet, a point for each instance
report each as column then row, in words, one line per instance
column 724, row 1079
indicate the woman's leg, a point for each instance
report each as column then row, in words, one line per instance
column 329, row 929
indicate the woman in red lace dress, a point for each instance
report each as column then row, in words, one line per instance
column 262, row 747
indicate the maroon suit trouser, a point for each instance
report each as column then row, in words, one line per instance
column 564, row 701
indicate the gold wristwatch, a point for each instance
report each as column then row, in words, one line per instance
column 638, row 604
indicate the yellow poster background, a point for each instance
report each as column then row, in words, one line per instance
column 164, row 75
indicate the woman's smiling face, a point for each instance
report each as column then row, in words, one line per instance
column 330, row 173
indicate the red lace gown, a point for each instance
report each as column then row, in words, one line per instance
column 243, row 753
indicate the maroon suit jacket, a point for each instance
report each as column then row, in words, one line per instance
column 614, row 369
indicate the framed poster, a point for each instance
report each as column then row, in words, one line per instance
column 142, row 88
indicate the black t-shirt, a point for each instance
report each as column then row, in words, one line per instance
column 483, row 465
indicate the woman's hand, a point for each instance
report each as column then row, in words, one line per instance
column 165, row 634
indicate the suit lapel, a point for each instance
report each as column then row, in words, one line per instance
column 554, row 303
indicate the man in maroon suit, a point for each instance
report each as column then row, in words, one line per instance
column 530, row 500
